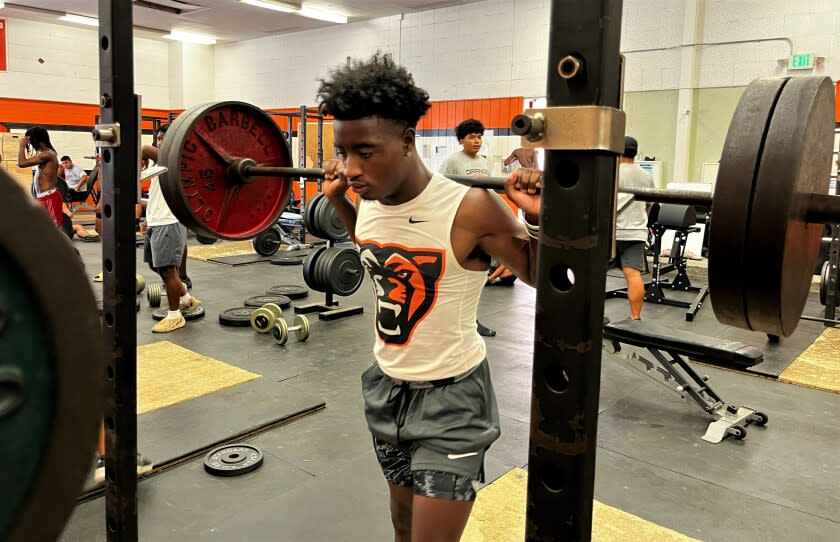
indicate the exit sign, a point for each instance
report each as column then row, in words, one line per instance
column 804, row 61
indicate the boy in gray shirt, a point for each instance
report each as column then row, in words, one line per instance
column 631, row 226
column 470, row 134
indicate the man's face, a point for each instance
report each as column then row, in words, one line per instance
column 471, row 143
column 373, row 151
column 67, row 164
column 159, row 139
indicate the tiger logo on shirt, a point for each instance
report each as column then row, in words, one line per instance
column 405, row 281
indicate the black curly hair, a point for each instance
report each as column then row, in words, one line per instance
column 38, row 135
column 377, row 87
column 467, row 127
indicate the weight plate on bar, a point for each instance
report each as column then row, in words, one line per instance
column 287, row 260
column 826, row 266
column 52, row 372
column 233, row 460
column 323, row 267
column 345, row 273
column 200, row 187
column 160, row 314
column 238, row 317
column 280, row 332
column 732, row 200
column 309, row 216
column 140, row 282
column 262, row 320
column 292, row 291
column 259, row 300
column 309, row 268
column 795, row 163
column 267, row 242
column 154, row 292
column 329, row 222
column 302, row 322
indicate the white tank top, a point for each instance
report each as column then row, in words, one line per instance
column 425, row 300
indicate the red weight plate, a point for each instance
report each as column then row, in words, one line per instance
column 199, row 187
column 732, row 200
column 781, row 246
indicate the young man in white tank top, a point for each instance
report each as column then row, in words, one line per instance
column 429, row 401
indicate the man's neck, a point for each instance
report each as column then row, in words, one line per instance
column 415, row 182
column 473, row 155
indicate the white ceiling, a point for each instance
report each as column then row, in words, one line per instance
column 226, row 20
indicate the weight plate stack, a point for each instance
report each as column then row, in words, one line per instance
column 345, row 272
column 259, row 300
column 329, row 223
column 310, row 266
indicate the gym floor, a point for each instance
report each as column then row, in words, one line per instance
column 320, row 480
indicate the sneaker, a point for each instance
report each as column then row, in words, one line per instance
column 187, row 282
column 484, row 331
column 192, row 305
column 169, row 324
column 98, row 278
column 144, row 466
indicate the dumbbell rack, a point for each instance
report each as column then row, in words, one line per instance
column 329, row 310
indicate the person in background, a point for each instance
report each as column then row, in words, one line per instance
column 631, row 226
column 76, row 180
column 45, row 177
column 467, row 161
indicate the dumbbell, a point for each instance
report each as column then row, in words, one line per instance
column 281, row 329
column 264, row 318
column 154, row 292
column 140, row 283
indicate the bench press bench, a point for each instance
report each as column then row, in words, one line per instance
column 670, row 350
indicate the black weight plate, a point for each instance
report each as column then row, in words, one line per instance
column 233, row 460
column 205, row 240
column 732, row 200
column 292, row 291
column 287, row 260
column 238, row 317
column 310, row 216
column 268, row 241
column 346, row 272
column 329, row 222
column 323, row 267
column 824, row 283
column 160, row 314
column 309, row 267
column 794, row 164
column 259, row 300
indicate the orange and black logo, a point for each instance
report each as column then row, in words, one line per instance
column 406, row 283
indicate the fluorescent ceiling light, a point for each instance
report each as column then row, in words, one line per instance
column 286, row 7
column 190, row 37
column 2, row 5
column 330, row 16
column 276, row 6
column 78, row 19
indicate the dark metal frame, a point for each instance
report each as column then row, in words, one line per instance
column 576, row 229
column 119, row 173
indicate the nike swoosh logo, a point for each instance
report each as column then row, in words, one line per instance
column 412, row 221
column 459, row 456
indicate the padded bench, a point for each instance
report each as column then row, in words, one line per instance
column 669, row 349
column 712, row 350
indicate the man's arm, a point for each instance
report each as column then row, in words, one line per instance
column 149, row 152
column 23, row 161
column 489, row 220
column 335, row 189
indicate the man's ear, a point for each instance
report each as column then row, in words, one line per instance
column 409, row 139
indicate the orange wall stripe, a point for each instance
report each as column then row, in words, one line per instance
column 36, row 112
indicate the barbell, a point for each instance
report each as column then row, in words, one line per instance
column 229, row 176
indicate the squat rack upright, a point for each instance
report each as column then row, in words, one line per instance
column 584, row 69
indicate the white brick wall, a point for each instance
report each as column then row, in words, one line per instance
column 70, row 71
